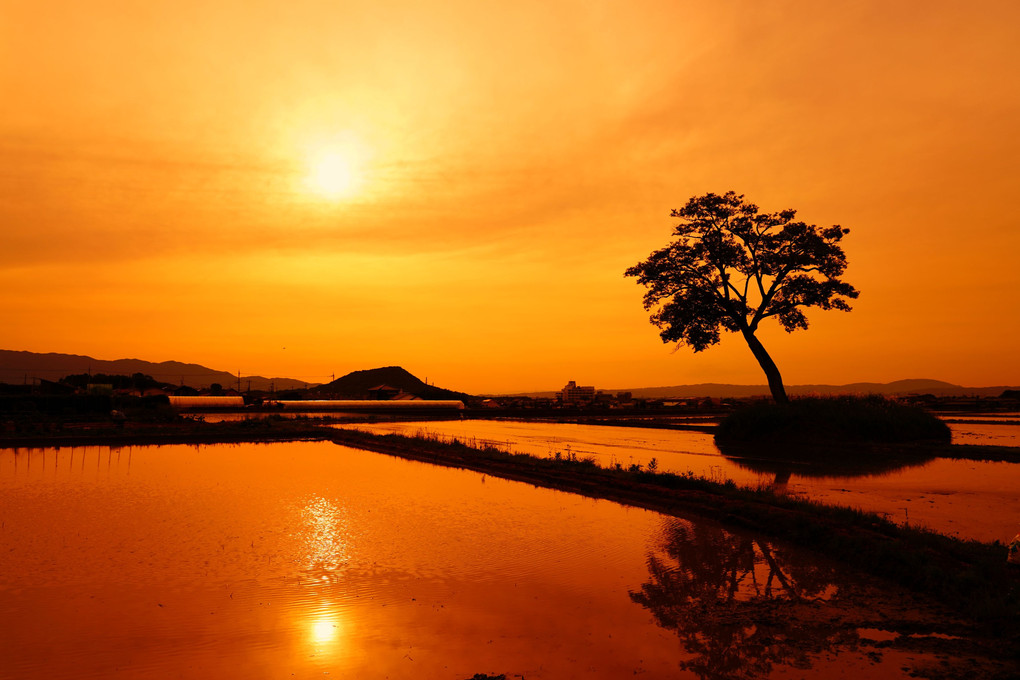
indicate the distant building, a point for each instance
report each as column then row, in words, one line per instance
column 577, row 394
column 383, row 392
column 206, row 402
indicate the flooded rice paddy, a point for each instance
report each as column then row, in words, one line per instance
column 309, row 559
column 963, row 498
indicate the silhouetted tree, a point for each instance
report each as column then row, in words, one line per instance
column 142, row 381
column 732, row 267
column 139, row 380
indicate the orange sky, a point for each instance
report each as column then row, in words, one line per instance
column 506, row 161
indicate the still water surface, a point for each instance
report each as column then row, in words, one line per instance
column 309, row 559
column 969, row 499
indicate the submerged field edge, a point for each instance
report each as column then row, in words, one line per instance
column 971, row 577
column 186, row 430
column 180, row 432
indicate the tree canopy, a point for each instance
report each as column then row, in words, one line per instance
column 732, row 266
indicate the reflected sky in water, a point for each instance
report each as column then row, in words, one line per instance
column 992, row 432
column 964, row 498
column 608, row 446
column 306, row 558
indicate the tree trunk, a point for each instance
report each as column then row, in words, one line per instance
column 769, row 366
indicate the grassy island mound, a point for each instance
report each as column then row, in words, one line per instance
column 832, row 420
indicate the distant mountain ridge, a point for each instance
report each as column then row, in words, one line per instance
column 356, row 385
column 17, row 366
column 938, row 388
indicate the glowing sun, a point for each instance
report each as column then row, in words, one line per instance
column 333, row 175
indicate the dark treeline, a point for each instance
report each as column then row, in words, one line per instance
column 118, row 382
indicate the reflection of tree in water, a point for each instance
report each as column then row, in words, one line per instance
column 807, row 461
column 739, row 605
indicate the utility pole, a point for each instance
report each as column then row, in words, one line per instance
column 238, row 380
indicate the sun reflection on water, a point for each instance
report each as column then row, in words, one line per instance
column 327, row 540
column 326, row 536
column 324, row 634
column 325, row 629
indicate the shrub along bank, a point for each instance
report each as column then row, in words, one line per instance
column 827, row 420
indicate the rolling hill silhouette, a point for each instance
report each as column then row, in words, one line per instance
column 17, row 366
column 356, row 385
